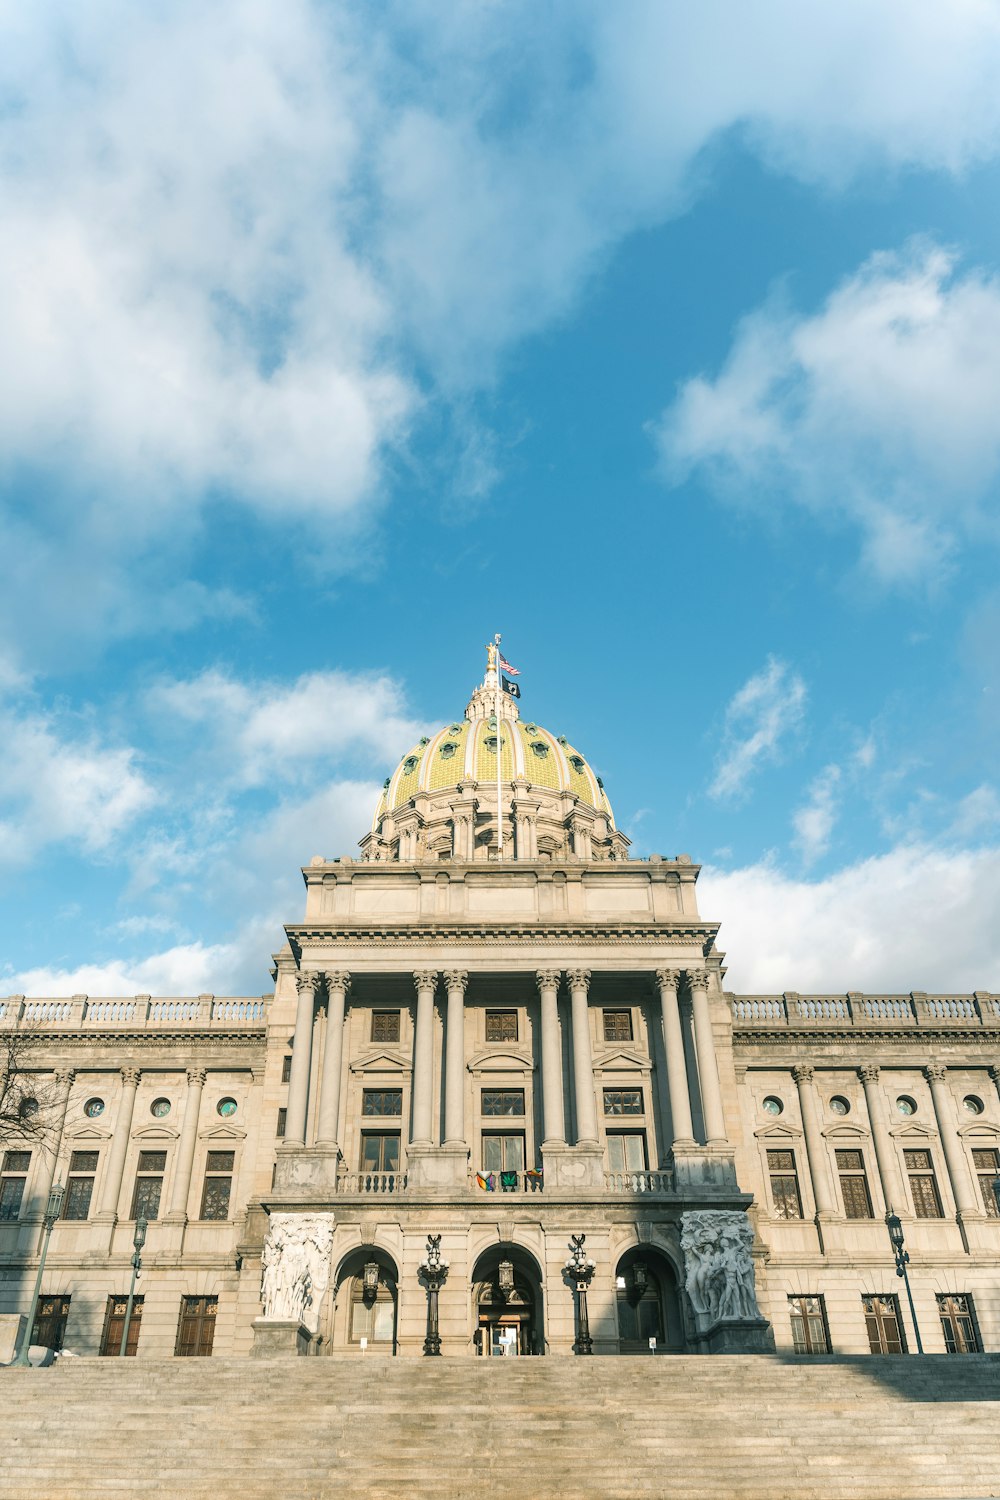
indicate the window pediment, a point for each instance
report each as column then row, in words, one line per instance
column 155, row 1132
column 979, row 1130
column 913, row 1130
column 222, row 1132
column 779, row 1131
column 842, row 1131
column 88, row 1132
column 380, row 1061
column 626, row 1061
column 512, row 1060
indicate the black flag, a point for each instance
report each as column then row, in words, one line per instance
column 510, row 687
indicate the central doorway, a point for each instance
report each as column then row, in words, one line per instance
column 507, row 1304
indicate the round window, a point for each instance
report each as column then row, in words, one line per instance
column 159, row 1108
column 27, row 1108
column 226, row 1107
column 973, row 1104
column 772, row 1105
column 93, row 1108
column 906, row 1105
column 839, row 1105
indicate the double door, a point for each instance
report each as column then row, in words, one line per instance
column 505, row 1335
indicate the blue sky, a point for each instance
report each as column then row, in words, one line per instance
column 664, row 340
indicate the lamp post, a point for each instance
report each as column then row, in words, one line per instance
column 580, row 1270
column 52, row 1211
column 996, row 1193
column 138, row 1240
column 433, row 1271
column 902, row 1261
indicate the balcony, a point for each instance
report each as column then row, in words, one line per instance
column 855, row 1011
column 137, row 1013
column 639, row 1182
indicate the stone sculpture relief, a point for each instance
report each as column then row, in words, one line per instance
column 718, row 1266
column 295, row 1266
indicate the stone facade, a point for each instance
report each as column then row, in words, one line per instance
column 506, row 1052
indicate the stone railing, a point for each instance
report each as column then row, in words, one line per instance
column 506, row 1182
column 825, row 1012
column 639, row 1182
column 371, row 1182
column 138, row 1013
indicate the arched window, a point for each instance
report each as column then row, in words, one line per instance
column 373, row 1310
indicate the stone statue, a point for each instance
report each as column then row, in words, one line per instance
column 718, row 1266
column 295, row 1267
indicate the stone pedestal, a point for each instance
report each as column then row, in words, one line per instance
column 306, row 1171
column 573, row 1168
column 11, row 1329
column 701, row 1168
column 280, row 1338
column 437, row 1168
column 738, row 1336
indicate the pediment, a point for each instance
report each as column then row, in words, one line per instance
column 380, row 1062
column 626, row 1061
column 778, row 1131
column 913, row 1130
column 156, row 1132
column 979, row 1130
column 843, row 1131
column 222, row 1132
column 511, row 1061
column 88, row 1132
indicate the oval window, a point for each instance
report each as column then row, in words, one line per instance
column 773, row 1105
column 226, row 1107
column 27, row 1108
column 839, row 1105
column 973, row 1104
column 906, row 1105
column 159, row 1108
column 93, row 1108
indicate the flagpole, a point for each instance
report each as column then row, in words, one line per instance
column 496, row 714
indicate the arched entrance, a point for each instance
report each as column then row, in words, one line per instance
column 647, row 1303
column 507, row 1304
column 366, row 1303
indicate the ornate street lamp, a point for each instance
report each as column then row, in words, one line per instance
column 432, row 1272
column 902, row 1261
column 138, row 1240
column 52, row 1211
column 580, row 1270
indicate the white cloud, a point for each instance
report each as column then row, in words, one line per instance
column 814, row 821
column 916, row 918
column 767, row 709
column 977, row 814
column 880, row 410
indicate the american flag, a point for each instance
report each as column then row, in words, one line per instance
column 505, row 664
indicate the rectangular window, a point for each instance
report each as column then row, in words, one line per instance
column 380, row 1151
column 503, row 1152
column 15, row 1175
column 784, row 1185
column 286, row 1068
column 617, row 1025
column 886, row 1334
column 282, row 1120
column 196, row 1327
column 923, row 1186
column 627, row 1150
column 49, row 1328
column 80, row 1185
column 382, row 1102
column 385, row 1025
column 987, row 1165
column 148, row 1184
column 854, row 1184
column 958, row 1323
column 501, row 1025
column 623, row 1101
column 114, row 1326
column 503, row 1101
column 218, row 1184
column 810, row 1334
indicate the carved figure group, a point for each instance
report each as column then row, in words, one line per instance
column 719, row 1273
column 295, row 1266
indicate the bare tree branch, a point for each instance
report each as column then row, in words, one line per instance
column 27, row 1092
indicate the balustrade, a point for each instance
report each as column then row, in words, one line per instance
column 639, row 1182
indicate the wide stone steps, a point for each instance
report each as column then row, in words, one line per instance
column 545, row 1429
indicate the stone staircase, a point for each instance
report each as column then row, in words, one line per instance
column 687, row 1428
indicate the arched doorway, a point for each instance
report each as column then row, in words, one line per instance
column 647, row 1303
column 507, row 1304
column 366, row 1303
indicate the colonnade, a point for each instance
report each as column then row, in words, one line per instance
column 111, row 1188
column 675, row 1100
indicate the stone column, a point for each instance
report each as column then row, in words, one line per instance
column 966, row 1199
column 185, row 1150
column 298, row 1083
column 454, row 1095
column 423, row 1058
column 552, row 1080
column 708, row 1067
column 583, row 1060
column 111, row 1191
column 337, row 985
column 673, row 1047
column 888, row 1169
column 819, row 1166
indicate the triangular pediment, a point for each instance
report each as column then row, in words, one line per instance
column 625, row 1061
column 913, row 1130
column 379, row 1062
column 222, row 1132
column 88, row 1132
column 778, row 1131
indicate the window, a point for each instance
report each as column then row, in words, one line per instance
column 926, row 1199
column 809, row 1331
column 382, row 1102
column 286, row 1067
column 148, row 1184
column 160, row 1108
column 196, row 1327
column 15, row 1175
column 784, row 1185
column 503, row 1101
column 627, row 1150
column 385, row 1025
column 49, row 1327
column 380, row 1151
column 958, row 1324
column 226, row 1108
column 773, row 1105
column 987, row 1165
column 623, row 1101
column 218, row 1184
column 93, row 1108
column 503, row 1152
column 372, row 1317
column 886, row 1334
column 501, row 1025
column 114, row 1326
column 80, row 1185
column 854, row 1185
column 617, row 1025
column 282, row 1120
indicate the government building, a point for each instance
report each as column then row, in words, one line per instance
column 500, row 1102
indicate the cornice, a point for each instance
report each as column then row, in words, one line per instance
column 146, row 1039
column 416, row 934
column 864, row 1037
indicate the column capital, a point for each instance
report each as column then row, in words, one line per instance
column 130, row 1077
column 869, row 1073
column 668, row 979
column 935, row 1072
column 548, row 979
column 579, row 979
column 456, row 979
column 425, row 979
column 803, row 1072
column 64, row 1077
column 196, row 1078
column 698, row 979
column 306, row 983
column 994, row 1072
column 338, row 979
